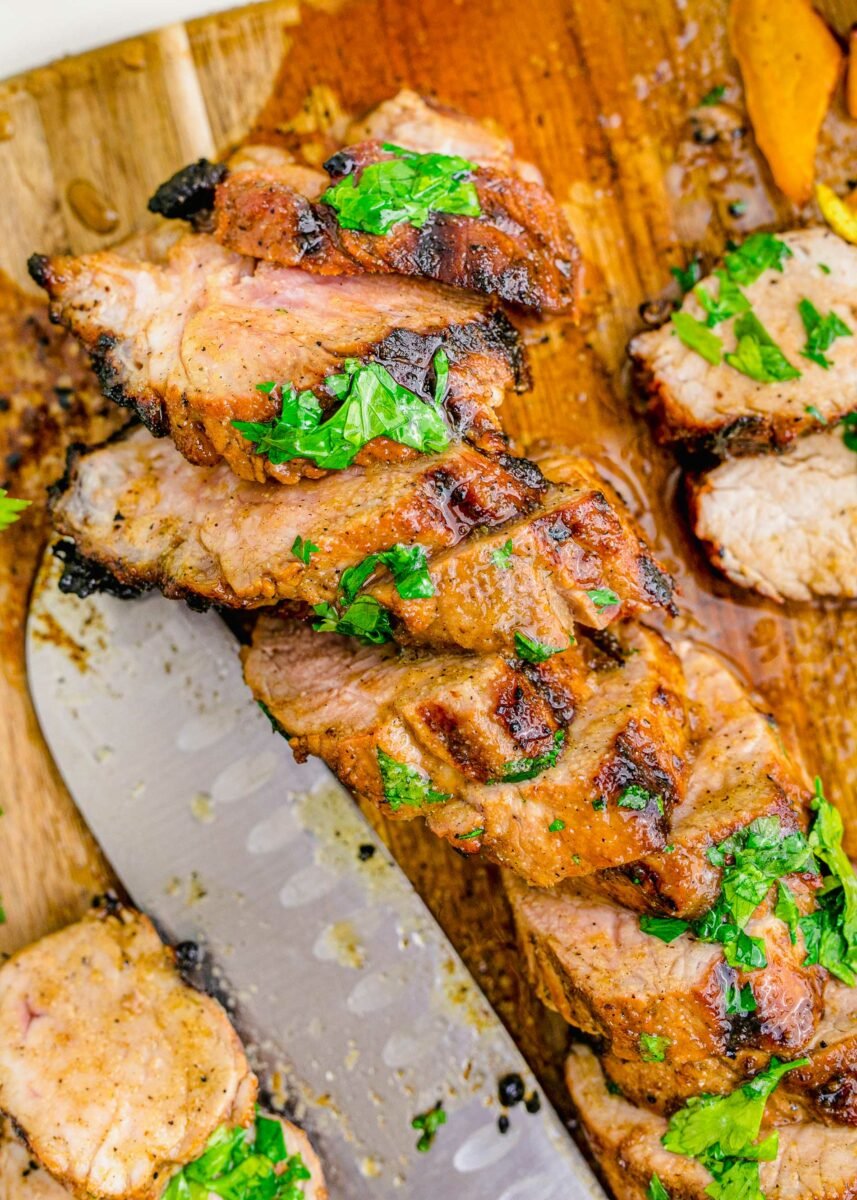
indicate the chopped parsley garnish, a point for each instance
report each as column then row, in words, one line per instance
column 787, row 910
column 11, row 509
column 603, row 598
column 821, row 332
column 407, row 564
column 830, row 933
column 236, row 1168
column 849, row 432
column 407, row 187
column 502, row 557
column 473, row 833
column 303, row 550
column 2, row 913
column 528, row 768
column 714, row 96
column 429, row 1122
column 812, row 410
column 759, row 252
column 532, row 650
column 721, row 1132
column 737, row 208
column 599, row 804
column 276, row 727
column 556, row 826
column 406, row 786
column 665, row 928
column 757, row 355
column 638, row 798
column 697, row 336
column 653, row 1047
column 823, row 267
column 657, row 1191
column 363, row 616
column 740, row 1001
column 728, row 302
column 687, row 276
column 372, row 405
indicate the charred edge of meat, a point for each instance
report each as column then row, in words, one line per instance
column 609, row 645
column 658, row 585
column 738, row 437
column 39, row 267
column 111, row 381
column 524, row 471
column 190, row 191
column 83, row 576
column 110, row 905
column 340, row 164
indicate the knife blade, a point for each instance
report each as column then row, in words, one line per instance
column 357, row 1012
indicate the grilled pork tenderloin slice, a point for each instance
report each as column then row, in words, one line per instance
column 185, row 343
column 740, row 772
column 590, row 961
column 814, row 1162
column 113, row 1069
column 785, row 525
column 718, row 407
column 138, row 509
column 425, row 735
column 518, row 248
column 824, row 1091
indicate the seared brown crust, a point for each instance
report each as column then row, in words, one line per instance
column 186, row 342
column 590, row 961
column 520, row 249
column 740, row 772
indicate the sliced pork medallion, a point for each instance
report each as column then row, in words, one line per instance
column 113, row 1070
column 813, row 1162
column 825, row 1090
column 784, row 525
column 740, row 773
column 138, row 509
column 188, row 342
column 778, row 356
column 467, row 215
column 578, row 558
column 646, row 998
column 482, row 749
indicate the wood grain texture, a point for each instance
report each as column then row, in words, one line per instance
column 602, row 95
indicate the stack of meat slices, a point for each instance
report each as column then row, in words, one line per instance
column 784, row 524
column 454, row 630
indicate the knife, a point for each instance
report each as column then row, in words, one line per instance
column 335, row 973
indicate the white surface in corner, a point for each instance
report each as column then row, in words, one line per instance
column 34, row 32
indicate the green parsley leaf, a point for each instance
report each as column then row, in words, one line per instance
column 786, row 909
column 407, row 564
column 740, row 1001
column 730, row 300
column 2, row 913
column 638, row 798
column 372, row 405
column 813, row 410
column 834, row 926
column 365, row 619
column 599, row 804
column 406, row 786
column 721, row 1132
column 759, row 252
column 653, row 1047
column 665, row 928
column 824, row 268
column 849, row 432
column 697, row 336
column 757, row 355
column 11, row 509
column 737, row 208
column 236, row 1169
column 687, row 276
column 303, row 550
column 429, row 1122
column 603, row 598
column 270, row 1139
column 656, row 1190
column 406, row 187
column 468, row 837
column 502, row 557
column 714, row 96
column 556, row 826
column 821, row 332
column 532, row 650
column 528, row 768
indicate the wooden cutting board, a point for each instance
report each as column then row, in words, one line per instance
column 602, row 94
